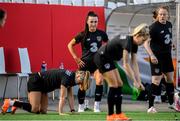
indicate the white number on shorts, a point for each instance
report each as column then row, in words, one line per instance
column 167, row 39
column 94, row 47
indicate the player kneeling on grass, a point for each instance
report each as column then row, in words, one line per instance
column 44, row 82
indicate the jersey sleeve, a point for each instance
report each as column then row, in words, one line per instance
column 105, row 37
column 79, row 37
column 129, row 46
column 134, row 49
column 171, row 26
column 152, row 31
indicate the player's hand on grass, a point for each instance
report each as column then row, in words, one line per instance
column 74, row 113
column 63, row 114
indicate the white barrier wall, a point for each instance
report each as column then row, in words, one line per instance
column 11, row 89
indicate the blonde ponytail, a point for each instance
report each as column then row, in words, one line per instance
column 85, row 79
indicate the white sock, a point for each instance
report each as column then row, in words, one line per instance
column 96, row 103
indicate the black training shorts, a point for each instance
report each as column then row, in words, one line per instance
column 35, row 83
column 164, row 65
column 89, row 66
column 103, row 63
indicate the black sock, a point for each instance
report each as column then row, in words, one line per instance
column 110, row 100
column 81, row 96
column 159, row 90
column 23, row 105
column 98, row 92
column 153, row 93
column 118, row 100
column 170, row 92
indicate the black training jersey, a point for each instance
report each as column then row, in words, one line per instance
column 53, row 79
column 114, row 48
column 161, row 37
column 91, row 42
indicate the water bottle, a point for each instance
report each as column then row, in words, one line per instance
column 43, row 66
column 61, row 66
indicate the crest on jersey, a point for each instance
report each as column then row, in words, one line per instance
column 88, row 39
column 162, row 32
column 102, row 52
column 99, row 38
column 157, row 70
column 107, row 66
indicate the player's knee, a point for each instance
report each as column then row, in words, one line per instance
column 99, row 82
column 169, row 80
column 35, row 109
column 156, row 81
column 43, row 111
column 120, row 84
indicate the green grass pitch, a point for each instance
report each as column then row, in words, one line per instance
column 91, row 116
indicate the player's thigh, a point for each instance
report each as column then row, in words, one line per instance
column 113, row 78
column 44, row 103
column 35, row 100
column 169, row 77
column 156, row 79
